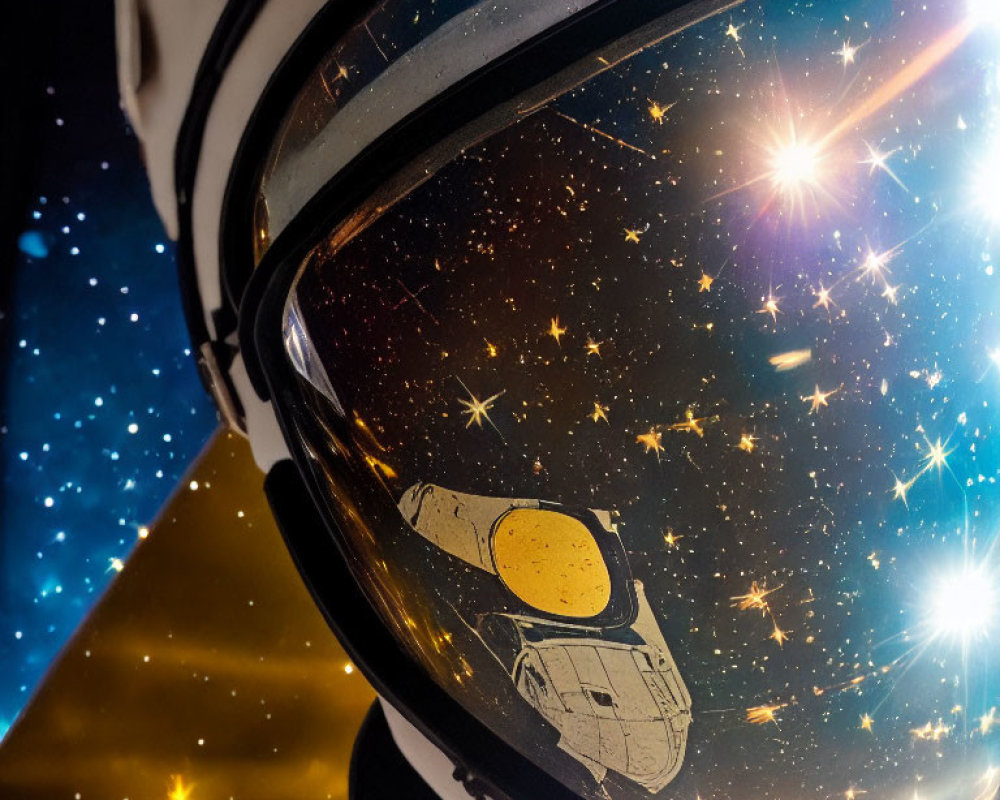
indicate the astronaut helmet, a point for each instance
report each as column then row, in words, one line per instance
column 624, row 373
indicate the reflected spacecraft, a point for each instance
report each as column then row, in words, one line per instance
column 584, row 649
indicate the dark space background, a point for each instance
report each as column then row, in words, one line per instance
column 101, row 407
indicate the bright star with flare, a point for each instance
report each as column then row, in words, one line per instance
column 984, row 12
column 874, row 265
column 822, row 298
column 985, row 174
column 796, row 171
column 554, row 330
column 900, row 489
column 963, row 604
column 937, row 456
column 771, row 307
column 848, row 52
column 818, row 399
column 652, row 441
column 794, row 166
column 761, row 715
column 987, row 721
column 600, row 412
column 478, row 410
column 878, row 160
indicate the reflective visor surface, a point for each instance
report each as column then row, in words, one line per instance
column 661, row 426
column 392, row 37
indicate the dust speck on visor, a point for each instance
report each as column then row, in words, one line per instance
column 663, row 425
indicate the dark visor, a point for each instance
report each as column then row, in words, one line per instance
column 656, row 416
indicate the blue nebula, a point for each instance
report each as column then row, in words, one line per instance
column 32, row 243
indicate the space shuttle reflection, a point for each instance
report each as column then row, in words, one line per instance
column 587, row 652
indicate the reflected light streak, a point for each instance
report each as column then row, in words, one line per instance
column 922, row 63
column 989, row 784
column 795, row 165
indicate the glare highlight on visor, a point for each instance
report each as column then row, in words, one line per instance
column 984, row 12
column 963, row 604
column 985, row 178
column 794, row 165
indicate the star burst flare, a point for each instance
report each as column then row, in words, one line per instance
column 478, row 410
column 962, row 604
